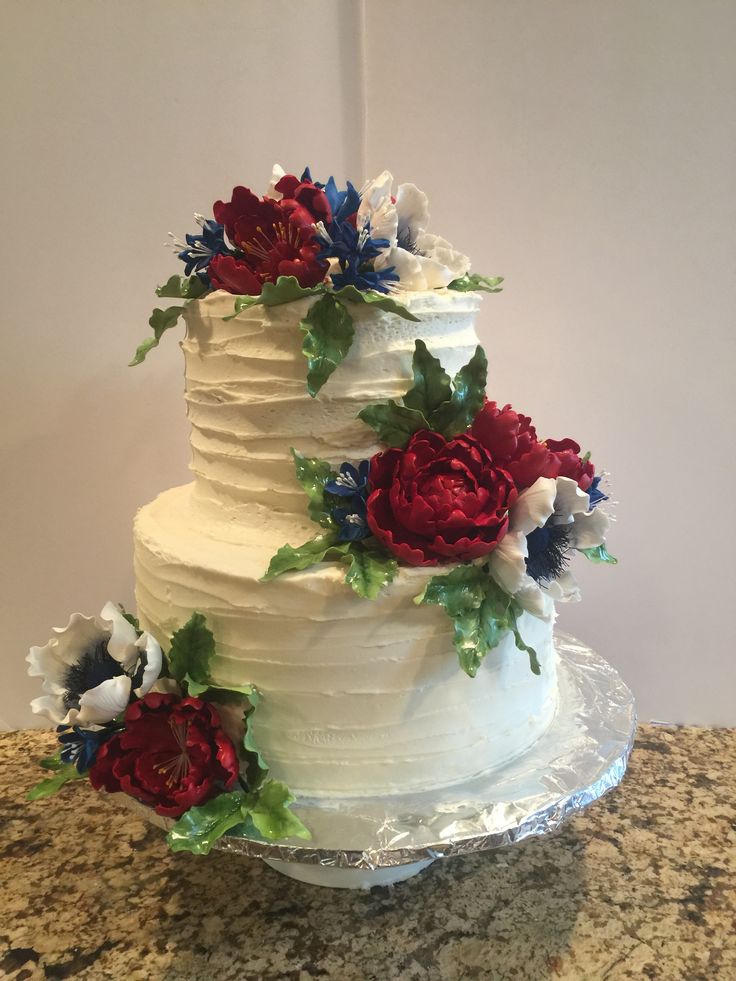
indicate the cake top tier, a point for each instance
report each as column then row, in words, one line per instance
column 305, row 236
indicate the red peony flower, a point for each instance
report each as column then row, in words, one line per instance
column 231, row 274
column 438, row 500
column 569, row 462
column 172, row 755
column 511, row 439
column 277, row 238
column 305, row 195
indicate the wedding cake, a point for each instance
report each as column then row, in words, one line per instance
column 370, row 551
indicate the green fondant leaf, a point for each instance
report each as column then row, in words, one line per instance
column 394, row 423
column 481, row 612
column 286, row 289
column 431, row 382
column 182, row 287
column 192, row 650
column 290, row 559
column 132, row 620
column 599, row 554
column 257, row 768
column 381, row 300
column 198, row 829
column 65, row 772
column 160, row 321
column 369, row 570
column 51, row 763
column 469, row 384
column 313, row 474
column 328, row 334
column 474, row 281
column 271, row 815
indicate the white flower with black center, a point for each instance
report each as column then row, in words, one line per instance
column 546, row 522
column 421, row 260
column 92, row 668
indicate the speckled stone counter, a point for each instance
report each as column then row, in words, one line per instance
column 643, row 885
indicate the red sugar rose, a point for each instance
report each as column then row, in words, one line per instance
column 172, row 755
column 438, row 500
column 231, row 274
column 569, row 462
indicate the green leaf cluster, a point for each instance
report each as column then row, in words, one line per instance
column 160, row 321
column 369, row 566
column 265, row 810
column 433, row 402
column 190, row 659
column 63, row 773
column 182, row 287
column 481, row 612
column 328, row 335
column 472, row 282
column 286, row 289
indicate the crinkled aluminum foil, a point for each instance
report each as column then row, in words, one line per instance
column 581, row 756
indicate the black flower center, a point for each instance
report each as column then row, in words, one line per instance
column 94, row 666
column 548, row 552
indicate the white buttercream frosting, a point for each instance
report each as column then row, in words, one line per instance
column 359, row 696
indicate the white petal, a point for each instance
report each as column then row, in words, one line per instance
column 103, row 703
column 441, row 250
column 532, row 599
column 435, row 274
column 276, row 174
column 52, row 661
column 52, row 706
column 533, row 506
column 507, row 562
column 412, row 206
column 121, row 645
column 565, row 589
column 589, row 530
column 569, row 499
column 154, row 658
column 406, row 266
column 377, row 207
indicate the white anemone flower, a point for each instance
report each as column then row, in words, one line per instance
column 421, row 260
column 92, row 667
column 555, row 503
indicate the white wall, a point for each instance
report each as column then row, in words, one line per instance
column 587, row 151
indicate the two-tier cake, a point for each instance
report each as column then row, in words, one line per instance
column 356, row 594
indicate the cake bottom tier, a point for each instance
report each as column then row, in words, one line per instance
column 359, row 697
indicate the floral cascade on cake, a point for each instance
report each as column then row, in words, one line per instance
column 132, row 720
column 306, row 238
column 449, row 498
column 463, row 483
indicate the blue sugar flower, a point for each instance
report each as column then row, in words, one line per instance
column 351, row 487
column 81, row 746
column 343, row 204
column 355, row 252
column 198, row 250
column 350, row 481
column 595, row 494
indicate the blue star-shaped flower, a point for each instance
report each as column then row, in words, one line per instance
column 200, row 248
column 355, row 252
column 351, row 486
column 81, row 746
column 595, row 494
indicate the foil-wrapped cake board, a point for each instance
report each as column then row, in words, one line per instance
column 362, row 842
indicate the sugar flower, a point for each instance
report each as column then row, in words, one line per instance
column 351, row 487
column 547, row 520
column 421, row 260
column 92, row 668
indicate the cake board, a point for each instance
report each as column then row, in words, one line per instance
column 358, row 843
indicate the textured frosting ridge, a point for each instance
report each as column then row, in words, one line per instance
column 360, row 697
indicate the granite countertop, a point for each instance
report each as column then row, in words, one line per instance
column 642, row 885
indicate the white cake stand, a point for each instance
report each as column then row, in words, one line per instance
column 362, row 842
